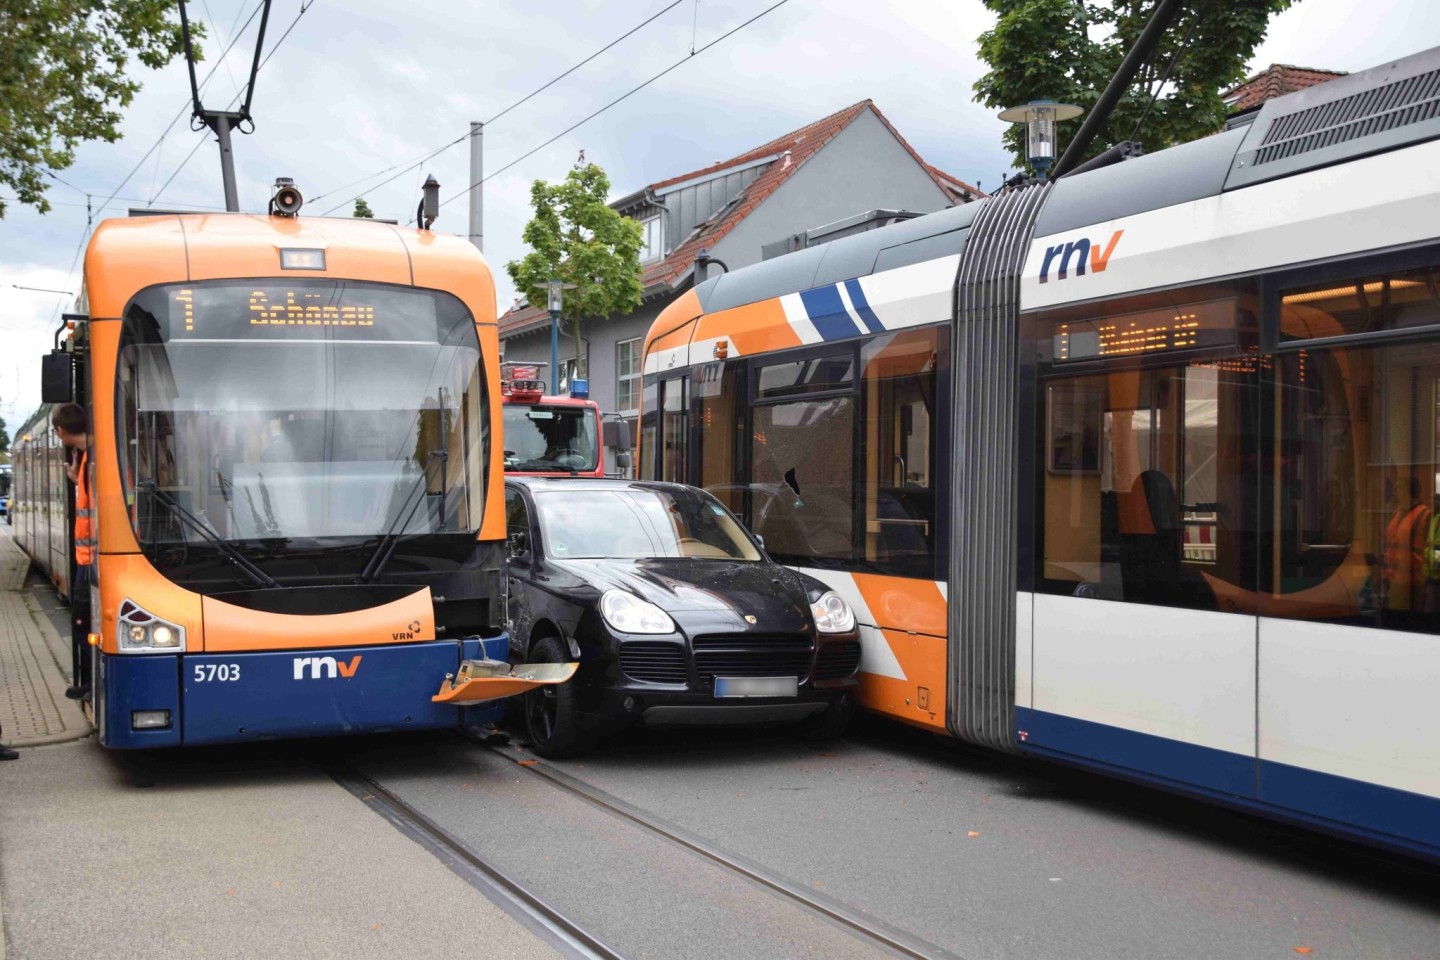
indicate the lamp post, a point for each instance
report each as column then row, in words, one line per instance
column 554, row 288
column 1040, row 117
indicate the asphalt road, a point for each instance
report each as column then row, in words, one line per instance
column 979, row 855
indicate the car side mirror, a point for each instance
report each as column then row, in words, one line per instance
column 517, row 543
column 622, row 460
column 57, row 377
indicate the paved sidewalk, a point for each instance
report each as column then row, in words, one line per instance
column 33, row 708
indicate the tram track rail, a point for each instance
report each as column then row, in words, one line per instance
column 512, row 896
column 864, row 928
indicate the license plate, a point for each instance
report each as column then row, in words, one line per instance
column 757, row 686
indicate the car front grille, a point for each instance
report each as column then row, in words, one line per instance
column 837, row 660
column 752, row 655
column 651, row 661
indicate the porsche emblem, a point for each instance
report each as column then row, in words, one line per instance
column 749, row 618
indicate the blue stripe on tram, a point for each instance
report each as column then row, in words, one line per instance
column 1340, row 805
column 862, row 306
column 828, row 314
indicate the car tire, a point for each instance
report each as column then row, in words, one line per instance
column 831, row 722
column 552, row 712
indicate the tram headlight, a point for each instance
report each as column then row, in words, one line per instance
column 832, row 614
column 140, row 631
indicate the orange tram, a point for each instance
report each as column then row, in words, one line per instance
column 297, row 476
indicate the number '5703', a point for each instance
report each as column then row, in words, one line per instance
column 216, row 672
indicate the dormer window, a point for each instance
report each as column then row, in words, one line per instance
column 652, row 241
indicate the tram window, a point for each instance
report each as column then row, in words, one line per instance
column 803, row 471
column 1388, row 301
column 649, row 434
column 1354, row 481
column 897, row 471
column 719, row 411
column 1148, row 483
column 674, row 430
column 816, row 375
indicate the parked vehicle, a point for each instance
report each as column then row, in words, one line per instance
column 674, row 611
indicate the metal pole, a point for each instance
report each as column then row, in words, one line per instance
column 1099, row 114
column 477, row 192
column 227, row 163
column 554, row 353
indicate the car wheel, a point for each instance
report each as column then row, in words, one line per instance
column 831, row 722
column 552, row 716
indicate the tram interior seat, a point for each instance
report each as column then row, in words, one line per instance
column 906, row 518
column 1150, row 562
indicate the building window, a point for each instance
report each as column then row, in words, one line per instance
column 651, row 247
column 627, row 375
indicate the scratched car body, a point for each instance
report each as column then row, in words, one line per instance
column 674, row 611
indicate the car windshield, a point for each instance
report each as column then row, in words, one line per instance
column 636, row 522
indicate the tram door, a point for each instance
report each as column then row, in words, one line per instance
column 1146, row 459
column 1348, row 645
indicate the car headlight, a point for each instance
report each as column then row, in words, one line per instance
column 832, row 614
column 627, row 613
column 141, row 631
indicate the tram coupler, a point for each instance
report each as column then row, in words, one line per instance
column 480, row 680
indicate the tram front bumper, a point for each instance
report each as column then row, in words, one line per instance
column 282, row 694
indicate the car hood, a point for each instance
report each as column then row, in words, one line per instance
column 774, row 595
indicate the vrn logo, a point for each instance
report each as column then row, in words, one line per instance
column 1081, row 250
column 412, row 628
column 327, row 667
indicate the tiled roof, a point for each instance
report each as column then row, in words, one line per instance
column 959, row 190
column 797, row 147
column 1275, row 81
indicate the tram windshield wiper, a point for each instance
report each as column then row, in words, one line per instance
column 260, row 577
column 417, row 492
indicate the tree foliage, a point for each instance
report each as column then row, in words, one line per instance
column 1067, row 50
column 362, row 209
column 4, row 437
column 577, row 238
column 63, row 79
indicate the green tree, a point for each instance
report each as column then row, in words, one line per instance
column 1067, row 50
column 4, row 437
column 63, row 79
column 577, row 238
column 362, row 209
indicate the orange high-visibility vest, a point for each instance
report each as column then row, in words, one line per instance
column 84, row 516
column 1404, row 559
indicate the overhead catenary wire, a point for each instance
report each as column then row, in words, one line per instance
column 623, row 96
column 538, row 90
column 154, row 146
column 203, row 139
column 1179, row 52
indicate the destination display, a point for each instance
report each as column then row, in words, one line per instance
column 1164, row 330
column 300, row 310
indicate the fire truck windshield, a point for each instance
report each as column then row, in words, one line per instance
column 541, row 438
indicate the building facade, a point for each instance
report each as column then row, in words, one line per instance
column 850, row 166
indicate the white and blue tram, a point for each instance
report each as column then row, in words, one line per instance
column 1159, row 441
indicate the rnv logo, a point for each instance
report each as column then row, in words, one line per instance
column 1081, row 250
column 327, row 667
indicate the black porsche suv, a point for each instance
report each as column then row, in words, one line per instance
column 673, row 610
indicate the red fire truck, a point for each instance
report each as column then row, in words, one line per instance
column 550, row 436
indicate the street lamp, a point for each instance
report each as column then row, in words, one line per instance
column 554, row 297
column 1040, row 117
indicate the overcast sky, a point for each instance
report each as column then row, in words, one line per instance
column 362, row 85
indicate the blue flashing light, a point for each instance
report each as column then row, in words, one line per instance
column 580, row 389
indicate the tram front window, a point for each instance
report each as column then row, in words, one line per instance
column 289, row 412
